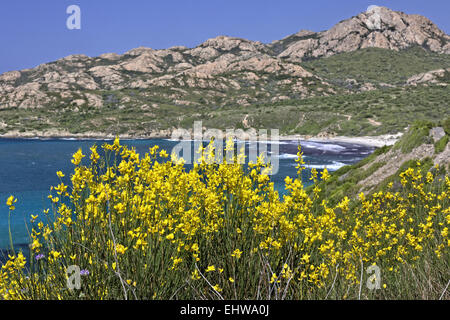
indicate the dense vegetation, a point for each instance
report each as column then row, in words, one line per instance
column 141, row 227
column 368, row 113
column 378, row 66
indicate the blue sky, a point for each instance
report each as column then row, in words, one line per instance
column 34, row 31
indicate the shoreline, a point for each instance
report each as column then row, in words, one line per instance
column 371, row 141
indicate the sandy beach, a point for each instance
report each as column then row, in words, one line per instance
column 373, row 141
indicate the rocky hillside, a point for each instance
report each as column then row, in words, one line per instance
column 173, row 87
column 220, row 70
column 378, row 27
column 425, row 144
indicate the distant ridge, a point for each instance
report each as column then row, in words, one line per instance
column 221, row 72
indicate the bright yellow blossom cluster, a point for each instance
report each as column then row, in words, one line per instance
column 144, row 227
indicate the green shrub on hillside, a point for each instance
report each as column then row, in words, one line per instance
column 378, row 66
column 440, row 145
column 418, row 134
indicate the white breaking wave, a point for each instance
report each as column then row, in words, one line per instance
column 287, row 156
column 179, row 140
column 336, row 165
column 265, row 142
column 322, row 146
column 234, row 140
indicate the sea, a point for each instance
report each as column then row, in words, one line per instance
column 28, row 169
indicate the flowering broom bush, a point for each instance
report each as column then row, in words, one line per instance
column 147, row 228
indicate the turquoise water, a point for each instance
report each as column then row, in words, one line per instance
column 28, row 169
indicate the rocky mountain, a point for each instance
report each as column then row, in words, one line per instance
column 215, row 70
column 221, row 72
column 378, row 27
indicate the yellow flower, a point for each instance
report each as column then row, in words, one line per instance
column 36, row 245
column 274, row 278
column 170, row 236
column 325, row 175
column 121, row 249
column 131, row 282
column 305, row 258
column 10, row 203
column 217, row 288
column 361, row 196
column 236, row 253
column 211, row 269
column 55, row 254
column 195, row 275
column 313, row 174
column 94, row 154
column 176, row 262
column 163, row 154
column 77, row 157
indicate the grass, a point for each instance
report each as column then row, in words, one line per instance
column 440, row 145
column 416, row 136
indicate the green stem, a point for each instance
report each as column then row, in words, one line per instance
column 10, row 234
